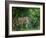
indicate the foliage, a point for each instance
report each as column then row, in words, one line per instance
column 32, row 13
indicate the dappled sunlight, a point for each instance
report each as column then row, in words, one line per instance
column 24, row 19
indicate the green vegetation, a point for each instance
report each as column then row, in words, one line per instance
column 33, row 15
